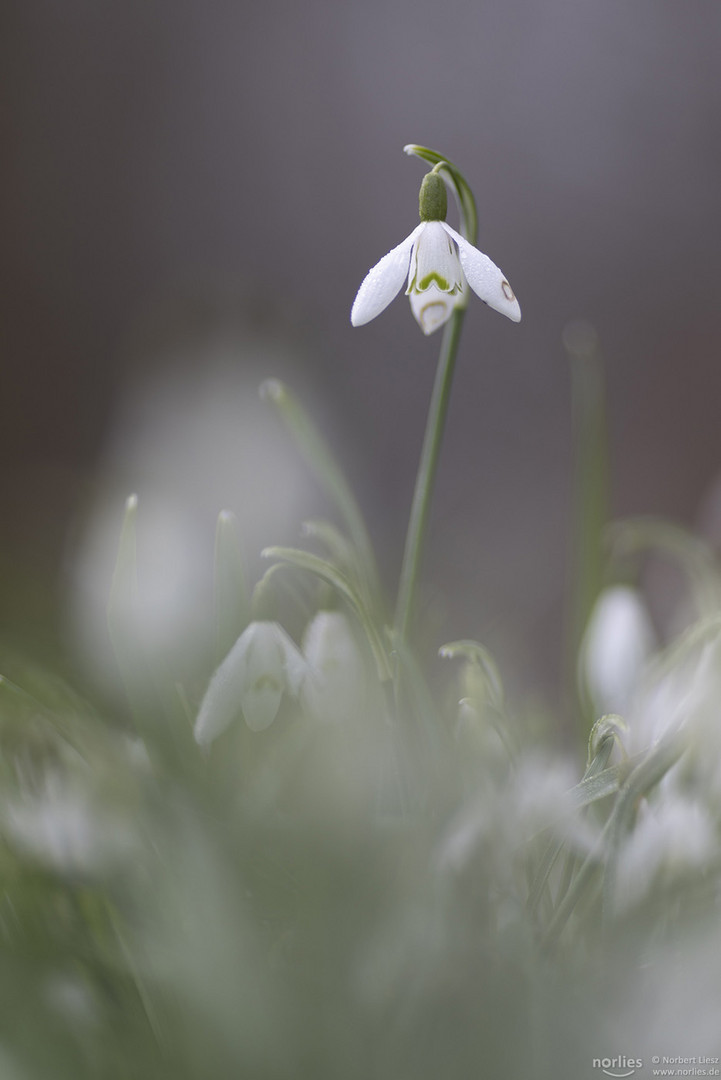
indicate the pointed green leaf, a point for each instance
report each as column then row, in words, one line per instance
column 337, row 545
column 231, row 594
column 322, row 461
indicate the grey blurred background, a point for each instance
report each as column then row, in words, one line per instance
column 197, row 189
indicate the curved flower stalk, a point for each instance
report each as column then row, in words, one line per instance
column 440, row 265
column 458, row 184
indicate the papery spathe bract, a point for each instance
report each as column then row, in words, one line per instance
column 439, row 265
column 263, row 664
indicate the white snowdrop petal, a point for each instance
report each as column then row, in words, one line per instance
column 295, row 666
column 485, row 278
column 435, row 261
column 432, row 308
column 260, row 702
column 383, row 282
column 265, row 650
column 221, row 701
column 328, row 640
column 337, row 684
column 249, row 679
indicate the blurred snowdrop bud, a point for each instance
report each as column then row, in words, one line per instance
column 617, row 644
column 500, row 820
column 674, row 837
column 190, row 437
column 65, row 829
column 698, row 710
column 263, row 664
column 337, row 680
column 668, row 701
column 71, row 999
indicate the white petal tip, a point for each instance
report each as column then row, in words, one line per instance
column 358, row 317
column 508, row 305
column 485, row 278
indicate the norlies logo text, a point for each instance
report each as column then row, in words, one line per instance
column 618, row 1066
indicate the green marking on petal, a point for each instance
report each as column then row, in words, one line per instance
column 428, row 280
column 434, row 278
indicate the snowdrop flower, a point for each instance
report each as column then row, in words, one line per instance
column 263, row 664
column 439, row 264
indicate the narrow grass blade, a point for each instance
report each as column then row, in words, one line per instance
column 232, row 606
column 321, row 461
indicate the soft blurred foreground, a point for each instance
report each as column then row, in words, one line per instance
column 284, row 846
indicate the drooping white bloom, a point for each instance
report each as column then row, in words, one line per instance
column 263, row 664
column 439, row 265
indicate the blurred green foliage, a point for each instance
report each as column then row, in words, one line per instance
column 392, row 880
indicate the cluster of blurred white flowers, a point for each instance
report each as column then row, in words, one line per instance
column 512, row 808
column 664, row 695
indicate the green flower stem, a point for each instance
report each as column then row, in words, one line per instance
column 425, row 479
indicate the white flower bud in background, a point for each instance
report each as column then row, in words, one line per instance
column 337, row 681
column 67, row 828
column 699, row 711
column 505, row 815
column 618, row 642
column 673, row 837
column 263, row 664
column 189, row 438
